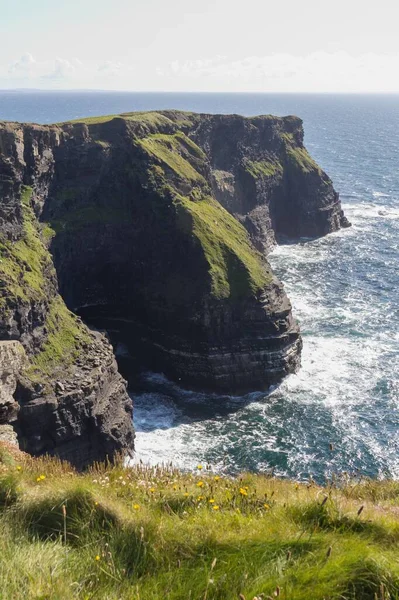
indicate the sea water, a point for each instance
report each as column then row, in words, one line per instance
column 340, row 412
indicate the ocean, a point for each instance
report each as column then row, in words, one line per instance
column 340, row 412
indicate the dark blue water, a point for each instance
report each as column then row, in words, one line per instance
column 344, row 289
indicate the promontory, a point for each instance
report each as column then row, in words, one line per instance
column 154, row 227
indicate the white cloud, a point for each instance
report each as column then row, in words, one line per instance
column 23, row 65
column 280, row 72
column 318, row 71
column 63, row 69
column 111, row 68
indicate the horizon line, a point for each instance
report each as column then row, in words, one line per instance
column 124, row 91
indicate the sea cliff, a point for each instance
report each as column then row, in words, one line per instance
column 155, row 226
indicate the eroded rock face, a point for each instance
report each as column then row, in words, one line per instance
column 67, row 397
column 263, row 175
column 87, row 414
column 12, row 358
column 158, row 226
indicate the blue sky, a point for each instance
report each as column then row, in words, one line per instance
column 219, row 45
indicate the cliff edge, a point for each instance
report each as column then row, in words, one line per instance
column 155, row 226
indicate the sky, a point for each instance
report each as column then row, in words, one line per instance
column 202, row 45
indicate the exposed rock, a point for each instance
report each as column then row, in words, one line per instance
column 80, row 421
column 131, row 209
column 12, row 358
column 264, row 176
column 59, row 387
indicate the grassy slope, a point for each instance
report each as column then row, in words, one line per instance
column 66, row 336
column 23, row 263
column 299, row 156
column 263, row 168
column 25, row 266
column 146, row 534
column 236, row 269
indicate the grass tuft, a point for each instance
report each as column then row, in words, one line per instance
column 140, row 532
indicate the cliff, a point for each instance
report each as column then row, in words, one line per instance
column 156, row 227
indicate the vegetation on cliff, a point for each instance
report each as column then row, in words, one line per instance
column 235, row 267
column 141, row 533
column 66, row 336
column 28, row 276
column 177, row 152
column 299, row 157
column 263, row 168
column 24, row 264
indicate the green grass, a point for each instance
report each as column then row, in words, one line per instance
column 303, row 160
column 263, row 168
column 235, row 267
column 140, row 533
column 65, row 337
column 26, row 263
column 299, row 156
column 176, row 152
column 151, row 118
column 26, row 271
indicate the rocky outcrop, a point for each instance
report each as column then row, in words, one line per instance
column 158, row 225
column 84, row 416
column 12, row 358
column 264, row 176
column 67, row 397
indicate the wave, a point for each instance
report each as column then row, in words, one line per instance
column 343, row 290
column 367, row 210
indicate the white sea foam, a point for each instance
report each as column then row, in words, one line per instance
column 369, row 210
column 343, row 293
column 380, row 194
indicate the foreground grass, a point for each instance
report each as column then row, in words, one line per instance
column 149, row 534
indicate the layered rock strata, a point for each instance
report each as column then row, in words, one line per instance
column 155, row 225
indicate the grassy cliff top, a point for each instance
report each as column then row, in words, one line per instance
column 179, row 117
column 142, row 533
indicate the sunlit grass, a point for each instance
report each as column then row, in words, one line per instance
column 156, row 533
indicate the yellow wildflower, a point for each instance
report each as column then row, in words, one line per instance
column 243, row 492
column 97, row 557
column 152, row 490
column 216, row 507
column 186, row 494
column 136, row 506
column 211, row 501
column 19, row 468
column 200, row 498
column 200, row 467
column 216, row 478
column 266, row 506
column 41, row 478
column 175, row 487
column 200, row 483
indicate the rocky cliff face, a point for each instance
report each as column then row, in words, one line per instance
column 264, row 176
column 155, row 225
